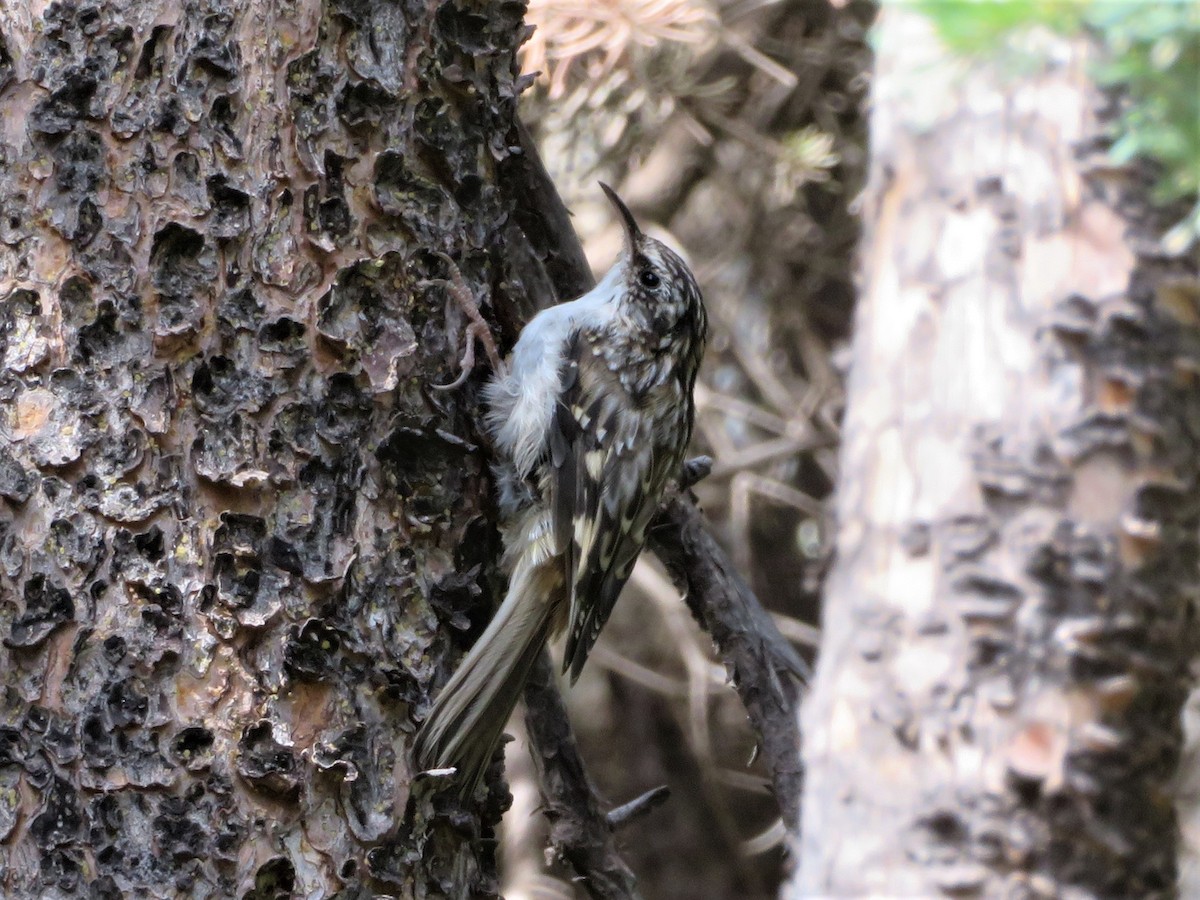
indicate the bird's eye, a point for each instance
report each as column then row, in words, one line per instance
column 649, row 278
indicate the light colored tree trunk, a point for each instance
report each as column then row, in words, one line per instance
column 1009, row 621
column 233, row 514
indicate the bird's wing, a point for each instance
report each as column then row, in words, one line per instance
column 605, row 483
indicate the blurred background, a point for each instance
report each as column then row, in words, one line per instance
column 737, row 132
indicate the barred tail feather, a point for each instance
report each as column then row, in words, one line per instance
column 469, row 715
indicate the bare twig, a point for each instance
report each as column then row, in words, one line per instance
column 796, row 631
column 638, row 807
column 746, row 484
column 707, row 398
column 651, row 680
column 763, row 665
column 579, row 831
column 758, row 59
column 766, row 451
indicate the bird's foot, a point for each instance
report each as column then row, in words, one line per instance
column 477, row 328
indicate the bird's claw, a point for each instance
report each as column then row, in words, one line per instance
column 475, row 331
column 477, row 328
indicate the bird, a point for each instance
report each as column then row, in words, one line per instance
column 590, row 422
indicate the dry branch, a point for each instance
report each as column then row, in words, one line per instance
column 579, row 831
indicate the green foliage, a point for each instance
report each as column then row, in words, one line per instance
column 1150, row 51
column 1154, row 52
column 973, row 27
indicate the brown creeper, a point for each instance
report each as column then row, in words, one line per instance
column 591, row 422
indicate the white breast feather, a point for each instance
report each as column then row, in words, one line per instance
column 521, row 403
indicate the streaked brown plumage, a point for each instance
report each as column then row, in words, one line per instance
column 591, row 424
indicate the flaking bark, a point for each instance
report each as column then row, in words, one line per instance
column 233, row 516
column 1010, row 619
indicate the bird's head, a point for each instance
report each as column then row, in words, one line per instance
column 656, row 283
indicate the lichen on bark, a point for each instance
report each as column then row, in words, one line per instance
column 233, row 517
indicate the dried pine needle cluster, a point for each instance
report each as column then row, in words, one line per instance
column 612, row 72
column 579, row 42
column 805, row 156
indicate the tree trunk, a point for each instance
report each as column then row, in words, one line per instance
column 1009, row 621
column 234, row 514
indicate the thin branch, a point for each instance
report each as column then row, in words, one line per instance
column 764, row 667
column 625, row 667
column 638, row 807
column 767, row 451
column 579, row 831
column 796, row 631
column 707, row 398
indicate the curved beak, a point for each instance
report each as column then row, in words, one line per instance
column 632, row 232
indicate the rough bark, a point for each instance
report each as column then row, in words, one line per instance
column 233, row 514
column 1009, row 621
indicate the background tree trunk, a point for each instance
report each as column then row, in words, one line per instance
column 233, row 513
column 1009, row 621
